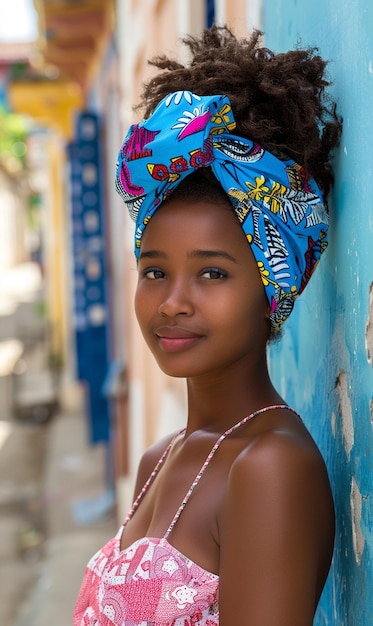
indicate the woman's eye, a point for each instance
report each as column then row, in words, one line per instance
column 153, row 273
column 214, row 273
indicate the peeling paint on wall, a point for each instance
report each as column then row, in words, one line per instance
column 369, row 328
column 333, row 422
column 356, row 507
column 346, row 412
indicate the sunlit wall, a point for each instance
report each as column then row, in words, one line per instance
column 324, row 363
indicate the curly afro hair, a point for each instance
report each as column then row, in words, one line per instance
column 278, row 100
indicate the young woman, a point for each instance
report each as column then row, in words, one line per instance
column 226, row 178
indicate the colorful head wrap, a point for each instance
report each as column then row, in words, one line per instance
column 279, row 207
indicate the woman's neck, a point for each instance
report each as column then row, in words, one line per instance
column 218, row 401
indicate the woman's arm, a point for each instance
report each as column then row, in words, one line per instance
column 277, row 533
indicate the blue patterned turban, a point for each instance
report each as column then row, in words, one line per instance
column 278, row 205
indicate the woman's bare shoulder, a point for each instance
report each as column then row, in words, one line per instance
column 280, row 450
column 277, row 528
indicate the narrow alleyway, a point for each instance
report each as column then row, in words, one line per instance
column 55, row 510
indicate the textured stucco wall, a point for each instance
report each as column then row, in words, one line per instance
column 324, row 363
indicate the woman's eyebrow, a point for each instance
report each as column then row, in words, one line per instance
column 152, row 254
column 208, row 254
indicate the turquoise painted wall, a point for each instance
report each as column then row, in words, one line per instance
column 323, row 364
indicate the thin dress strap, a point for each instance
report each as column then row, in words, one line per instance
column 214, row 449
column 151, row 477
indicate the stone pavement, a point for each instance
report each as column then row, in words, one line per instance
column 55, row 513
column 74, row 482
column 21, row 460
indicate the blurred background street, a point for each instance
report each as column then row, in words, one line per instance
column 80, row 395
column 54, row 504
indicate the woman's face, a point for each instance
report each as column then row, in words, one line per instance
column 200, row 301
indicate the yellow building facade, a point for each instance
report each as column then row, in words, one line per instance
column 55, row 87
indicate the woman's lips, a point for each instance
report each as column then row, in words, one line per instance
column 172, row 339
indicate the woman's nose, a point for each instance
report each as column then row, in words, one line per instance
column 177, row 301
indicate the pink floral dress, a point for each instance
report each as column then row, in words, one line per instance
column 151, row 583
